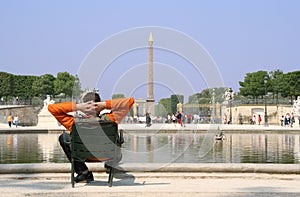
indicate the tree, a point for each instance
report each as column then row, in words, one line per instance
column 276, row 82
column 114, row 96
column 6, row 84
column 64, row 83
column 193, row 99
column 205, row 96
column 283, row 84
column 293, row 87
column 175, row 99
column 165, row 104
column 253, row 84
column 44, row 85
column 22, row 85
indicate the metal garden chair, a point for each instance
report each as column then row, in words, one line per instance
column 95, row 141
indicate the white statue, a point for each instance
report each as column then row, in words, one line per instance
column 296, row 106
column 228, row 94
column 48, row 101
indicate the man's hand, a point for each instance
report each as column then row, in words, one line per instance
column 89, row 108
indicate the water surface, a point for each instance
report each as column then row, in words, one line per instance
column 164, row 148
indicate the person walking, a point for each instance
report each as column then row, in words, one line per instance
column 292, row 120
column 169, row 119
column 148, row 120
column 259, row 119
column 174, row 119
column 287, row 120
column 179, row 118
column 254, row 119
column 91, row 107
column 16, row 120
column 9, row 120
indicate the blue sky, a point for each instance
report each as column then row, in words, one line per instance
column 39, row 37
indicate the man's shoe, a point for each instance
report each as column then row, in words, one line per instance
column 84, row 178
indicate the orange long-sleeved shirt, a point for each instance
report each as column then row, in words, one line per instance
column 119, row 107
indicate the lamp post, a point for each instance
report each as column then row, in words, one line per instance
column 213, row 106
column 230, row 110
column 266, row 113
column 76, row 88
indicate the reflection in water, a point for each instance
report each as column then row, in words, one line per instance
column 164, row 148
column 30, row 148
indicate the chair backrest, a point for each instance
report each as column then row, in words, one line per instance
column 94, row 141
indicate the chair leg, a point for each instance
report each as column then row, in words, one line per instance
column 111, row 175
column 72, row 173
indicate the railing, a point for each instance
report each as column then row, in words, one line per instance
column 262, row 101
column 36, row 101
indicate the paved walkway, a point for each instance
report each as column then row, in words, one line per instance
column 152, row 184
column 175, row 180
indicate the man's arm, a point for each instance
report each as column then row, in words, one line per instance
column 120, row 107
column 60, row 111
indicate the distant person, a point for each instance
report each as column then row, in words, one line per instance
column 189, row 118
column 254, row 119
column 292, row 119
column 282, row 121
column 148, row 120
column 169, row 118
column 16, row 120
column 174, row 119
column 9, row 120
column 287, row 120
column 299, row 120
column 259, row 119
column 183, row 118
column 179, row 118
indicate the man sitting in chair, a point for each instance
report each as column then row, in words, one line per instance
column 91, row 107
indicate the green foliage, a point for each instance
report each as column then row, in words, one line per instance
column 293, row 88
column 165, row 107
column 22, row 86
column 161, row 109
column 253, row 84
column 175, row 99
column 205, row 96
column 6, row 84
column 64, row 83
column 25, row 86
column 114, row 96
column 279, row 83
column 44, row 85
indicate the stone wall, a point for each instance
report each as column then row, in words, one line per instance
column 28, row 115
column 247, row 111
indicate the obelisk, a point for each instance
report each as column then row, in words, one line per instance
column 150, row 96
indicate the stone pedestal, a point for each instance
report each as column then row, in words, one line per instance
column 45, row 118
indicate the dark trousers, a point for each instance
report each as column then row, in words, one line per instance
column 79, row 166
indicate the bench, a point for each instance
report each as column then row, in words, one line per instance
column 95, row 141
